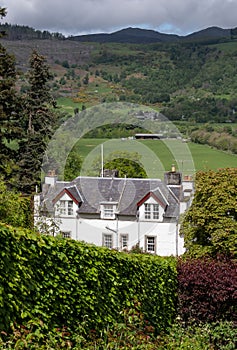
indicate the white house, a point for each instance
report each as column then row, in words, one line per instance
column 118, row 212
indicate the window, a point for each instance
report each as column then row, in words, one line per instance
column 155, row 211
column 62, row 207
column 151, row 211
column 108, row 240
column 124, row 240
column 70, row 208
column 108, row 211
column 66, row 234
column 147, row 211
column 66, row 207
column 150, row 244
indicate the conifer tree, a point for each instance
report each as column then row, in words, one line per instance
column 10, row 112
column 38, row 125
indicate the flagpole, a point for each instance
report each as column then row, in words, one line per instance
column 102, row 160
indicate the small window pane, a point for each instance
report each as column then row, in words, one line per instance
column 156, row 211
column 147, row 211
column 70, row 207
column 62, row 207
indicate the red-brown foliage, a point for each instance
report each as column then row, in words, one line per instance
column 207, row 290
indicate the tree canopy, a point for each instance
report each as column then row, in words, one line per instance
column 210, row 225
column 128, row 164
column 14, row 208
column 38, row 123
column 10, row 109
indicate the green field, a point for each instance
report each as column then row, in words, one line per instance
column 158, row 155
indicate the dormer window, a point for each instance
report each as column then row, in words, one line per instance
column 151, row 211
column 108, row 210
column 65, row 207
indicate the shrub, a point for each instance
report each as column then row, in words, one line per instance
column 207, row 290
column 60, row 281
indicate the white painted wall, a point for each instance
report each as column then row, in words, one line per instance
column 92, row 230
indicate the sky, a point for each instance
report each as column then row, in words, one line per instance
column 77, row 17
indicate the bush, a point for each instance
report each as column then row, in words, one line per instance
column 61, row 281
column 215, row 336
column 207, row 290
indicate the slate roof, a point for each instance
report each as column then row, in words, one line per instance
column 91, row 192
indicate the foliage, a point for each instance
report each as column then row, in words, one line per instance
column 207, row 290
column 207, row 336
column 19, row 32
column 126, row 168
column 210, row 225
column 73, row 166
column 221, row 140
column 38, row 124
column 59, row 281
column 10, row 110
column 115, row 130
column 129, row 334
column 127, row 163
column 14, row 209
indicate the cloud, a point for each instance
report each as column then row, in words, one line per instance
column 90, row 16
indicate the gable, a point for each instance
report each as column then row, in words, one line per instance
column 68, row 194
column 153, row 196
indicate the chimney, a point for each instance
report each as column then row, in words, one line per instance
column 51, row 178
column 173, row 177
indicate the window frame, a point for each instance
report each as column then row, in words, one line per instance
column 66, row 234
column 104, row 236
column 147, row 243
column 108, row 211
column 65, row 207
column 151, row 211
column 126, row 236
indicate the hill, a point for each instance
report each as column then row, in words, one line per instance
column 139, row 36
column 193, row 78
column 126, row 35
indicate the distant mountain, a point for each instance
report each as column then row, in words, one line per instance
column 142, row 36
column 127, row 35
column 211, row 32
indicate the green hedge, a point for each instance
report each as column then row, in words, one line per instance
column 62, row 282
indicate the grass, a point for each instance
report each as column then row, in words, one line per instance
column 227, row 47
column 159, row 155
column 67, row 104
column 206, row 158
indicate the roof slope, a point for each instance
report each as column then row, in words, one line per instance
column 90, row 192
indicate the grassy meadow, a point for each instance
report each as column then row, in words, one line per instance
column 157, row 155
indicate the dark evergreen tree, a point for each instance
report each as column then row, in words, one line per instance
column 10, row 112
column 39, row 123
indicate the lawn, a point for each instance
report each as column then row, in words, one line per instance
column 157, row 156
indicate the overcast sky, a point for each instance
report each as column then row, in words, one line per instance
column 71, row 17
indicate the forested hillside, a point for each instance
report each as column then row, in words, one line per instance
column 191, row 81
